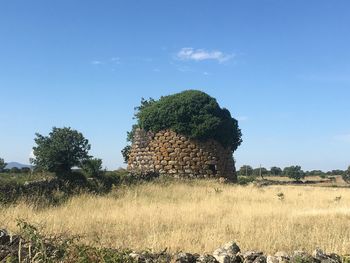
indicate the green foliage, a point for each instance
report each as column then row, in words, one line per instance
column 275, row 171
column 294, row 172
column 191, row 113
column 25, row 170
column 15, row 170
column 125, row 152
column 61, row 150
column 244, row 180
column 346, row 175
column 2, row 165
column 246, row 170
column 92, row 167
column 36, row 247
column 260, row 171
column 316, row 173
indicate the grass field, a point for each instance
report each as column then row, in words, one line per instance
column 199, row 216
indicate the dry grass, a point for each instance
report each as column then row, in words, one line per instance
column 200, row 216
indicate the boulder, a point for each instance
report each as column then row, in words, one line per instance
column 272, row 259
column 4, row 237
column 186, row 258
column 207, row 259
column 228, row 253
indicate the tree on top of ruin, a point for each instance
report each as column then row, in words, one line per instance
column 192, row 113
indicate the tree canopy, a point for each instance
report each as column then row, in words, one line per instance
column 192, row 113
column 2, row 164
column 61, row 150
column 294, row 172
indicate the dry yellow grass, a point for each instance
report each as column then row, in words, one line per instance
column 200, row 216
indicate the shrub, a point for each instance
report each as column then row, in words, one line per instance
column 192, row 113
column 92, row 167
column 294, row 172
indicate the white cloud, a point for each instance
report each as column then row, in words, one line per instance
column 189, row 53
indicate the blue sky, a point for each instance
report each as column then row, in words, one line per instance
column 281, row 67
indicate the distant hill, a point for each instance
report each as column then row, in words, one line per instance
column 18, row 165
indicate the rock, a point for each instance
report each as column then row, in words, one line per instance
column 302, row 256
column 4, row 237
column 272, row 259
column 282, row 255
column 134, row 255
column 232, row 247
column 185, row 258
column 260, row 259
column 228, row 253
column 319, row 254
column 250, row 256
column 325, row 258
column 207, row 259
column 335, row 257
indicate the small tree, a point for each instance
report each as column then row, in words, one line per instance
column 15, row 170
column 125, row 152
column 275, row 171
column 294, row 172
column 25, row 170
column 346, row 175
column 61, row 150
column 2, row 165
column 261, row 171
column 92, row 167
column 246, row 170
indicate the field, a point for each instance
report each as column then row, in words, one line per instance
column 199, row 216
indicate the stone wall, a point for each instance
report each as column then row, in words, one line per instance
column 169, row 153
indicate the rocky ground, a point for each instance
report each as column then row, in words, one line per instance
column 34, row 248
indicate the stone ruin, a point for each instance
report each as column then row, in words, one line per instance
column 172, row 154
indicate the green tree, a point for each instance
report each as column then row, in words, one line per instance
column 192, row 113
column 25, row 170
column 125, row 152
column 275, row 171
column 92, row 167
column 346, row 175
column 61, row 150
column 15, row 170
column 261, row 171
column 246, row 170
column 2, row 165
column 294, row 172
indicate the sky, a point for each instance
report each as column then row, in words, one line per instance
column 281, row 67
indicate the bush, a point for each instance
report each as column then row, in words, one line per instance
column 92, row 167
column 294, row 172
column 192, row 113
column 244, row 180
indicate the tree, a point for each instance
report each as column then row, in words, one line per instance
column 192, row 113
column 261, row 171
column 246, row 170
column 125, row 152
column 2, row 165
column 275, row 171
column 61, row 150
column 25, row 170
column 15, row 170
column 294, row 172
column 346, row 175
column 92, row 167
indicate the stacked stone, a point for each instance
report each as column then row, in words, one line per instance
column 167, row 152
